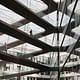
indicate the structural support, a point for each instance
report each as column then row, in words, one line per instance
column 21, row 74
column 21, row 61
column 25, row 62
column 5, row 28
column 36, row 53
column 37, row 71
column 16, row 43
column 26, row 13
column 72, row 47
column 67, row 29
column 23, row 22
column 58, row 50
column 52, row 6
column 48, row 2
column 43, row 52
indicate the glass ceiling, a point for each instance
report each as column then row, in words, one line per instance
column 7, row 15
column 77, row 10
column 51, row 18
column 31, row 4
column 37, row 6
column 34, row 5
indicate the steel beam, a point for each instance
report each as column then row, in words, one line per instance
column 21, row 74
column 28, row 14
column 71, row 49
column 23, row 22
column 10, row 58
column 18, row 24
column 23, row 36
column 25, row 62
column 67, row 27
column 11, row 45
column 5, row 28
column 16, row 43
column 43, row 52
column 52, row 6
column 36, row 71
column 37, row 53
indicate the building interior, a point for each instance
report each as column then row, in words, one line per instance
column 39, row 40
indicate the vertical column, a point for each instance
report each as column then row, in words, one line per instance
column 58, row 42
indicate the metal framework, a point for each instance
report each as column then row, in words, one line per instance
column 38, row 71
column 25, row 62
column 24, row 37
column 28, row 14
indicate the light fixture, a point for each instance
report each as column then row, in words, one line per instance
column 57, row 1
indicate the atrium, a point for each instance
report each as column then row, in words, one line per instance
column 39, row 40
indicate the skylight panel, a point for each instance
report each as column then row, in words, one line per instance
column 9, row 16
column 25, row 49
column 34, row 5
column 48, row 39
column 52, row 18
column 76, row 30
column 31, row 26
column 77, row 10
column 22, row 48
